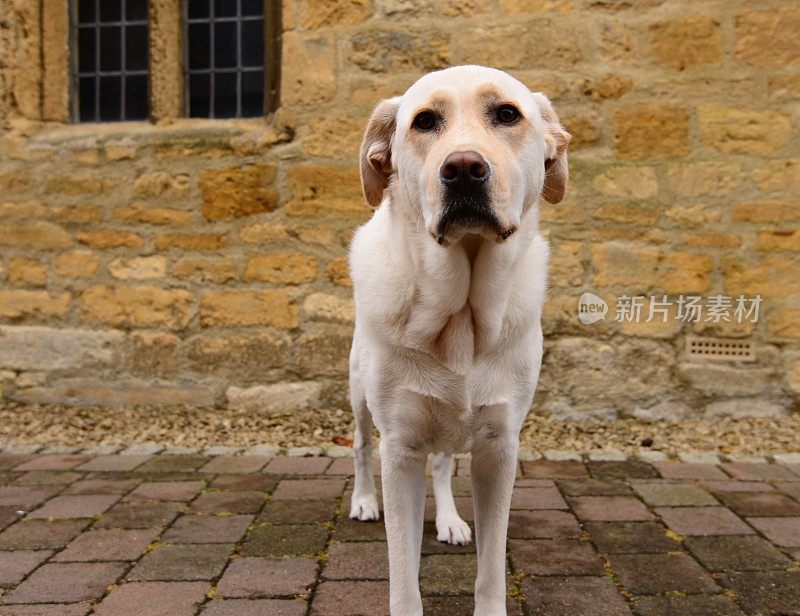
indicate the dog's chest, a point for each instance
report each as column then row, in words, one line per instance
column 455, row 343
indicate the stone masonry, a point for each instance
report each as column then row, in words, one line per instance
column 190, row 261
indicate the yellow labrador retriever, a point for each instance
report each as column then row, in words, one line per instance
column 449, row 279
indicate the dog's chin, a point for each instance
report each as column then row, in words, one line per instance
column 466, row 216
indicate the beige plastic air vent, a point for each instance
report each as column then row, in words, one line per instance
column 724, row 349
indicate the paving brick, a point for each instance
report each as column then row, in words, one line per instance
column 135, row 514
column 594, row 487
column 255, row 607
column 430, row 545
column 154, row 599
column 55, row 462
column 288, row 540
column 208, row 529
column 792, row 488
column 761, row 504
column 363, row 560
column 784, row 532
column 766, row 592
column 759, row 472
column 460, row 606
column 355, row 530
column 59, row 609
column 235, row 464
column 245, row 501
column 8, row 515
column 291, row 489
column 690, row 605
column 11, row 460
column 66, row 583
column 298, row 512
column 16, row 565
column 108, row 544
column 40, row 534
column 554, row 557
column 302, row 466
column 113, row 463
column 666, row 493
column 102, row 486
column 542, row 524
column 47, row 478
column 448, row 574
column 519, row 483
column 344, row 466
column 26, row 497
column 656, row 573
column 167, row 490
column 167, row 463
column 573, row 596
column 553, row 469
column 351, row 599
column 630, row 537
column 734, row 552
column 609, row 508
column 629, row 469
column 537, row 498
column 703, row 521
column 182, row 562
column 259, row 483
column 683, row 470
column 253, row 577
column 738, row 486
column 86, row 506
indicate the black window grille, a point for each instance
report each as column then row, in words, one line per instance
column 110, row 60
column 229, row 53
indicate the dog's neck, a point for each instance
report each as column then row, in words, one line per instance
column 463, row 290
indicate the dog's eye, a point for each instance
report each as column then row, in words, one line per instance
column 507, row 114
column 425, row 120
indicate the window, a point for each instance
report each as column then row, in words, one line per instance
column 141, row 59
column 110, row 60
column 225, row 57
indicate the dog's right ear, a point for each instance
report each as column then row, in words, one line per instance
column 376, row 150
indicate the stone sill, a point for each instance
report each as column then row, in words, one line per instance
column 209, row 132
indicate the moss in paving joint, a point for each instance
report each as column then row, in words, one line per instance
column 515, row 588
column 156, row 545
column 609, row 572
column 673, row 535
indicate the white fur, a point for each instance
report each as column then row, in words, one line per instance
column 448, row 343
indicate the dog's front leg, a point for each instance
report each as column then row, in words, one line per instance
column 494, row 468
column 403, row 484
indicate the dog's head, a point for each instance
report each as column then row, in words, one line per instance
column 470, row 147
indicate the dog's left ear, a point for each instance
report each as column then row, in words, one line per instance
column 376, row 150
column 556, row 140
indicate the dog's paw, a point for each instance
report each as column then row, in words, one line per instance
column 365, row 508
column 453, row 530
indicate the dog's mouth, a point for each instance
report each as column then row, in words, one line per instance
column 469, row 212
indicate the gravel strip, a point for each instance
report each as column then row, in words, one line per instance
column 66, row 426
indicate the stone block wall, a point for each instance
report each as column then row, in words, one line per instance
column 203, row 262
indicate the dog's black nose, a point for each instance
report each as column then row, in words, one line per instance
column 463, row 169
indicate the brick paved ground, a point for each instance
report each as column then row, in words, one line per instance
column 250, row 534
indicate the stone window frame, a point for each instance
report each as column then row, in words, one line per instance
column 166, row 64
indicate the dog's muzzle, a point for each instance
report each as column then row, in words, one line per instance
column 466, row 204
